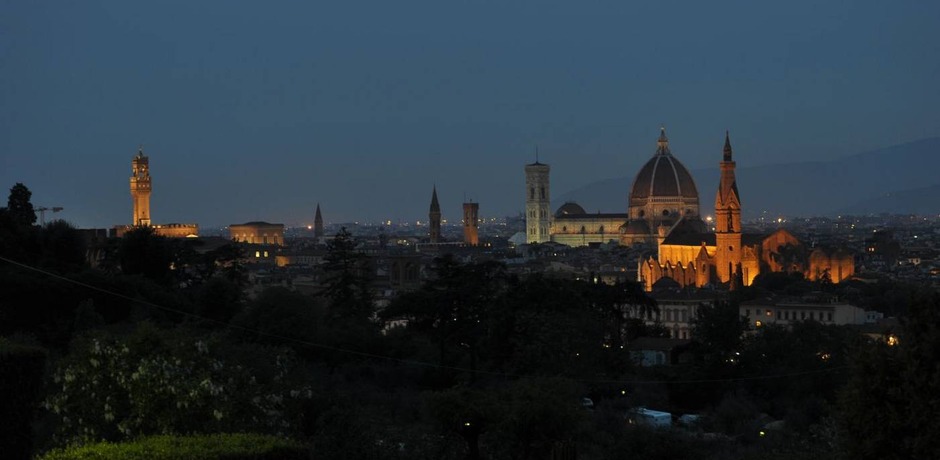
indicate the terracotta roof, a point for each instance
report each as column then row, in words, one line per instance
column 663, row 176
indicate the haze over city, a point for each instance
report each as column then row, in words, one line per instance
column 257, row 112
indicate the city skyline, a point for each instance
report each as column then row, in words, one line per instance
column 259, row 117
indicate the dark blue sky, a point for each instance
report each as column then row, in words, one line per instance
column 259, row 110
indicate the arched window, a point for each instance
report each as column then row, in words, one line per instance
column 542, row 192
column 532, row 193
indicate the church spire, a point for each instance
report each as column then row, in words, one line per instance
column 434, row 218
column 727, row 151
column 435, row 206
column 318, row 223
column 662, row 145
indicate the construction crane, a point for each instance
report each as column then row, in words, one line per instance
column 42, row 213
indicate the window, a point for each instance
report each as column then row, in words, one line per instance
column 802, row 315
column 542, row 192
column 830, row 316
column 665, row 212
column 642, row 213
column 747, row 312
column 768, row 313
column 532, row 193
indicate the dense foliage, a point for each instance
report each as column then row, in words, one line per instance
column 151, row 382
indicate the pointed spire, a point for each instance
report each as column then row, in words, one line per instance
column 727, row 151
column 318, row 223
column 435, row 206
column 662, row 145
column 140, row 150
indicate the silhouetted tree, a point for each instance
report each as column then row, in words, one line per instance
column 623, row 304
column 17, row 235
column 61, row 247
column 348, row 279
column 19, row 206
column 889, row 407
column 143, row 252
column 719, row 327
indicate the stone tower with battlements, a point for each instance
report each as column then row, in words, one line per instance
column 538, row 215
column 140, row 189
column 471, row 216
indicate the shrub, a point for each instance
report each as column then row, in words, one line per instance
column 241, row 446
column 20, row 380
column 155, row 382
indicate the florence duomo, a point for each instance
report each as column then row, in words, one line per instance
column 663, row 213
column 470, row 230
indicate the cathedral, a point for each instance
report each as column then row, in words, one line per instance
column 663, row 212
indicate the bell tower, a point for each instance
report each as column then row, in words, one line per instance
column 140, row 188
column 538, row 203
column 727, row 220
column 471, row 219
column 318, row 223
column 434, row 218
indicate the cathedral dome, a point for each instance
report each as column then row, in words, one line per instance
column 663, row 191
column 663, row 176
column 568, row 209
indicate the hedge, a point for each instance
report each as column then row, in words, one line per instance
column 21, row 371
column 200, row 447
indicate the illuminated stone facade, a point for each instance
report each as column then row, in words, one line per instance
column 573, row 226
column 729, row 255
column 257, row 233
column 662, row 194
column 471, row 222
column 538, row 214
column 141, row 188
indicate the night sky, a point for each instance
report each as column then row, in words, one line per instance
column 260, row 110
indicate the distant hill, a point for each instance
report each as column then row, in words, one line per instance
column 866, row 183
column 923, row 201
